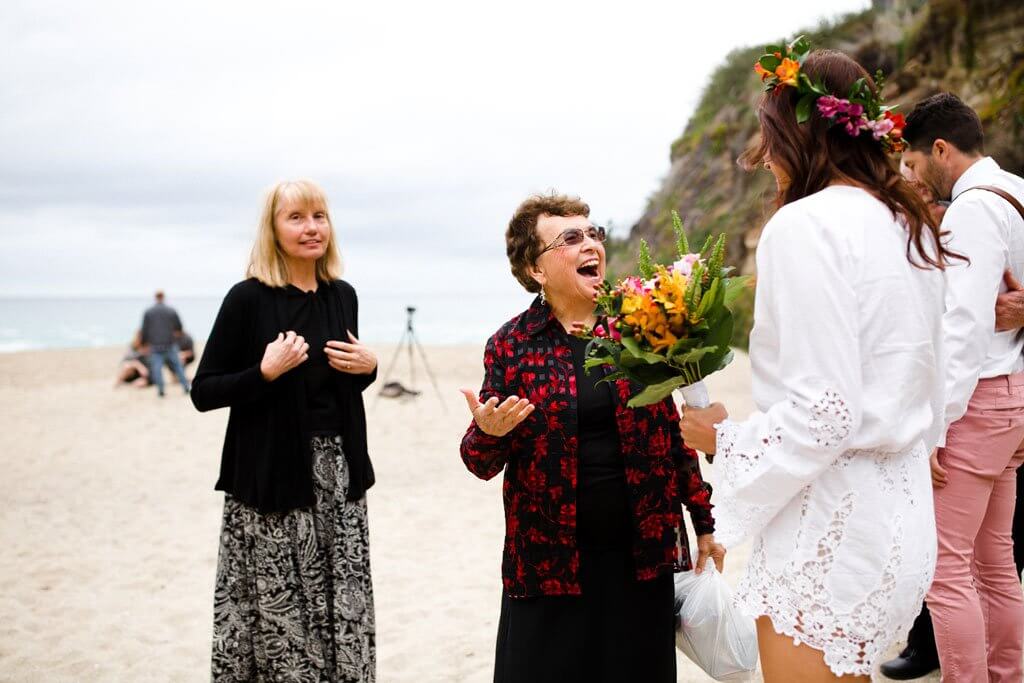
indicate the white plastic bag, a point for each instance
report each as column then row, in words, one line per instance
column 710, row 630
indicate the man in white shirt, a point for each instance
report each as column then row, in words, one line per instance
column 975, row 600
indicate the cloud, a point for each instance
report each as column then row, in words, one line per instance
column 137, row 138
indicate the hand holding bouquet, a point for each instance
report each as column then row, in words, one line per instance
column 669, row 327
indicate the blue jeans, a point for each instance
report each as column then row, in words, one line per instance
column 157, row 357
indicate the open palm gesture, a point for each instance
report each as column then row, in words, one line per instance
column 494, row 419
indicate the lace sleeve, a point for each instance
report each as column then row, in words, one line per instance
column 808, row 309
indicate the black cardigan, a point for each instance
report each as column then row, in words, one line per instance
column 267, row 462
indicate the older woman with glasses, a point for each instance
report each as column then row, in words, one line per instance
column 593, row 490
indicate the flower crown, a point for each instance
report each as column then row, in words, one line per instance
column 861, row 110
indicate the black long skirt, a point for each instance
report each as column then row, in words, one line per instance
column 293, row 599
column 619, row 629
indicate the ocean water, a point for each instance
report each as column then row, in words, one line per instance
column 440, row 318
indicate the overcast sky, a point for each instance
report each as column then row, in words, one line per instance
column 136, row 138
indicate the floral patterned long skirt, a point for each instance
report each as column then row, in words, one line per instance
column 293, row 598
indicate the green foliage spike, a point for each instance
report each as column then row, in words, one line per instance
column 645, row 264
column 693, row 288
column 717, row 257
column 682, row 244
column 706, row 249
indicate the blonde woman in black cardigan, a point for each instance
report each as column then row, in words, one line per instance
column 293, row 598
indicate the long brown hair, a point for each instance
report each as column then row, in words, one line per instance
column 815, row 154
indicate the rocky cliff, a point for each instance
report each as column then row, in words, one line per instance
column 972, row 48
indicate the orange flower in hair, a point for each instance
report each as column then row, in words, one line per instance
column 787, row 71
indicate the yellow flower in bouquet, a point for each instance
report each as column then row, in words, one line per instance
column 670, row 326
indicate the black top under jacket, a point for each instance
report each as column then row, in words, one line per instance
column 267, row 462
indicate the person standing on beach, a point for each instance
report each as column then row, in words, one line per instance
column 293, row 598
column 593, row 489
column 161, row 330
column 975, row 601
column 920, row 656
column 830, row 475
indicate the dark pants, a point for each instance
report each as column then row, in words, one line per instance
column 169, row 355
column 921, row 638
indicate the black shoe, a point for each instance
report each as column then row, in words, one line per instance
column 909, row 665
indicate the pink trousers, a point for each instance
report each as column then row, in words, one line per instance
column 976, row 600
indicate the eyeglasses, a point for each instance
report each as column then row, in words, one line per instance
column 575, row 236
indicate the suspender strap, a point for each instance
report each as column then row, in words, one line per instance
column 1002, row 193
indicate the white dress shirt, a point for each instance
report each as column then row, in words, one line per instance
column 988, row 230
column 830, row 475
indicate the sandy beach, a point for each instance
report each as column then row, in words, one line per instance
column 109, row 525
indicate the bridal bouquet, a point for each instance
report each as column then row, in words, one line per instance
column 670, row 326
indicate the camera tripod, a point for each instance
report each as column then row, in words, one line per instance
column 412, row 344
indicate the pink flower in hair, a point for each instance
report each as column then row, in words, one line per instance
column 881, row 127
column 829, row 106
column 855, row 126
column 854, row 110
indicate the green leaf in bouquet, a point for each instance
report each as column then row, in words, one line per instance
column 602, row 344
column 632, row 349
column 652, row 358
column 632, row 345
column 644, row 263
column 735, row 287
column 631, row 360
column 597, row 362
column 718, row 336
column 682, row 243
column 613, row 377
column 709, row 299
column 655, row 393
column 646, row 374
column 694, row 355
column 714, row 363
column 684, row 344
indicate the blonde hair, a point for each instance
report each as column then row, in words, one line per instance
column 267, row 262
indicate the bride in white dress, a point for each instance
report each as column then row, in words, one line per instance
column 830, row 477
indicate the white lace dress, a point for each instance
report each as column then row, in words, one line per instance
column 830, row 476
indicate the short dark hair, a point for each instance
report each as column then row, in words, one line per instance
column 521, row 243
column 944, row 116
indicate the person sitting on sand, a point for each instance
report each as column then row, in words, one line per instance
column 186, row 349
column 134, row 367
column 593, row 489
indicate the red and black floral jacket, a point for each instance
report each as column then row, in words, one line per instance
column 530, row 356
